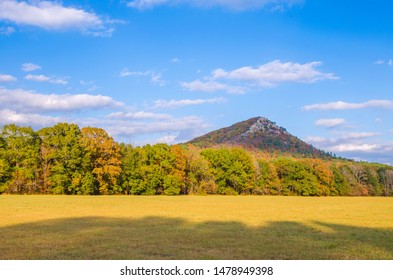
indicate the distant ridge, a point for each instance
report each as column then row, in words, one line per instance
column 259, row 133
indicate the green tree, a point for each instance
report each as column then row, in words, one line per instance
column 63, row 159
column 19, row 159
column 267, row 179
column 340, row 183
column 132, row 179
column 233, row 169
column 386, row 179
column 296, row 177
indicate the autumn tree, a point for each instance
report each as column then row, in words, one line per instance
column 200, row 178
column 267, row 179
column 104, row 156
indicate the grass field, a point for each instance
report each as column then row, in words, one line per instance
column 195, row 227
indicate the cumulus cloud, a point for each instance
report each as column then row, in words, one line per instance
column 211, row 86
column 329, row 122
column 185, row 102
column 7, row 78
column 340, row 105
column 37, row 78
column 192, row 125
column 237, row 5
column 35, row 109
column 271, row 74
column 168, row 139
column 138, row 115
column 52, row 15
column 43, row 78
column 11, row 116
column 358, row 135
column 29, row 67
column 355, row 148
column 276, row 72
column 29, row 101
column 350, row 142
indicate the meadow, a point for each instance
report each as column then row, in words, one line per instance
column 195, row 227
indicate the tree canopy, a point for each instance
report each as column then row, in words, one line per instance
column 65, row 159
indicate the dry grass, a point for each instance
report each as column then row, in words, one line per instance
column 195, row 227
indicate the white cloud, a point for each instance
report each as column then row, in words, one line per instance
column 7, row 30
column 315, row 139
column 355, row 145
column 52, row 15
column 237, row 5
column 58, row 81
column 175, row 60
column 43, row 78
column 358, row 135
column 155, row 78
column 10, row 116
column 190, row 125
column 355, row 148
column 329, row 122
column 276, row 72
column 37, row 78
column 168, row 139
column 381, row 62
column 7, row 78
column 28, row 67
column 271, row 74
column 86, row 83
column 211, row 86
column 138, row 115
column 185, row 102
column 125, row 73
column 90, row 85
column 29, row 101
column 340, row 105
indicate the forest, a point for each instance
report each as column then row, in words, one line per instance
column 66, row 159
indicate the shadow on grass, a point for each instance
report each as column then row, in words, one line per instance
column 167, row 238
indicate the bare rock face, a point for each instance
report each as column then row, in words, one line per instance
column 259, row 133
column 266, row 126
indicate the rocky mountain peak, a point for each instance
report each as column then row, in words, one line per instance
column 266, row 126
column 258, row 133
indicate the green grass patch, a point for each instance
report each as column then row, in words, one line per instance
column 195, row 227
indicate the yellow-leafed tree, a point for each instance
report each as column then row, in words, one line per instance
column 105, row 158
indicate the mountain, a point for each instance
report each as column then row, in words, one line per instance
column 259, row 133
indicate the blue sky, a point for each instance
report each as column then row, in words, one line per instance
column 153, row 71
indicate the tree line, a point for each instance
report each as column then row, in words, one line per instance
column 65, row 159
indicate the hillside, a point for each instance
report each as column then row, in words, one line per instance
column 259, row 133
